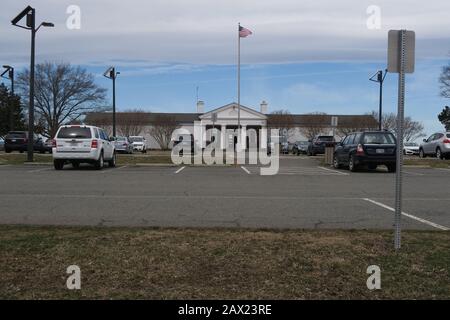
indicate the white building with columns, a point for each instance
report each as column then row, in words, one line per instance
column 227, row 119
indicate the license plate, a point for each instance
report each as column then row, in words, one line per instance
column 379, row 151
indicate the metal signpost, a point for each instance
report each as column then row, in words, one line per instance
column 401, row 56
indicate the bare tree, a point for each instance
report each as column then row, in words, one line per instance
column 412, row 129
column 63, row 93
column 102, row 120
column 161, row 129
column 369, row 122
column 444, row 79
column 315, row 126
column 283, row 121
column 131, row 122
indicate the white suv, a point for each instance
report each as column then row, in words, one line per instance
column 138, row 143
column 77, row 144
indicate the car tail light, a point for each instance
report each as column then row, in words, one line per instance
column 94, row 144
column 446, row 141
column 359, row 150
column 54, row 143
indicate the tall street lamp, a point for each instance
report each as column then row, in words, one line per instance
column 30, row 14
column 112, row 74
column 379, row 77
column 9, row 74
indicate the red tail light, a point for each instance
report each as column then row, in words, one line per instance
column 94, row 144
column 360, row 150
column 446, row 141
column 54, row 143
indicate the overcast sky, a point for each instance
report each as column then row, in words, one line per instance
column 165, row 48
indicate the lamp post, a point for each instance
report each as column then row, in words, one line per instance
column 111, row 73
column 380, row 79
column 10, row 71
column 30, row 14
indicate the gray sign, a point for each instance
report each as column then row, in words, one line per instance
column 394, row 53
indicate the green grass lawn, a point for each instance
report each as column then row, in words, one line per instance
column 156, row 263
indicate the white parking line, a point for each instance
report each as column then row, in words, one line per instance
column 179, row 170
column 413, row 173
column 38, row 170
column 245, row 169
column 121, row 167
column 435, row 225
column 335, row 171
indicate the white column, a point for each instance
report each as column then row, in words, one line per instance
column 223, row 135
column 244, row 136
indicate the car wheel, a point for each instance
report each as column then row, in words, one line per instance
column 7, row 151
column 422, row 154
column 392, row 167
column 58, row 164
column 372, row 166
column 439, row 153
column 336, row 163
column 112, row 162
column 100, row 162
column 351, row 164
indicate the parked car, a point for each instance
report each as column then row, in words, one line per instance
column 317, row 145
column 371, row 149
column 18, row 141
column 437, row 145
column 48, row 145
column 2, row 144
column 284, row 148
column 138, row 143
column 83, row 144
column 410, row 148
column 300, row 147
column 123, row 145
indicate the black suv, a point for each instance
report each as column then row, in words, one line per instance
column 371, row 148
column 318, row 144
column 18, row 141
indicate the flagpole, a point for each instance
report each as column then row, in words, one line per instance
column 239, row 87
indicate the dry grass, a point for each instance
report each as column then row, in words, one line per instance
column 220, row 263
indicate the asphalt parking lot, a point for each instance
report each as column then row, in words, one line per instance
column 303, row 194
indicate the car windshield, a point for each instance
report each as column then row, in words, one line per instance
column 302, row 143
column 136, row 139
column 121, row 139
column 74, row 132
column 16, row 135
column 325, row 138
column 378, row 138
column 410, row 144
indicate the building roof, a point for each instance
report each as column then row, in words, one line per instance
column 344, row 121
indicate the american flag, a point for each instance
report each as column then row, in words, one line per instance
column 243, row 32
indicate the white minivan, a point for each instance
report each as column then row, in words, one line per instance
column 77, row 144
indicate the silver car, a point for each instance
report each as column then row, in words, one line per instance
column 123, row 145
column 437, row 145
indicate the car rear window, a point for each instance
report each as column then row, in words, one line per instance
column 74, row 132
column 136, row 139
column 325, row 138
column 16, row 135
column 448, row 135
column 378, row 138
